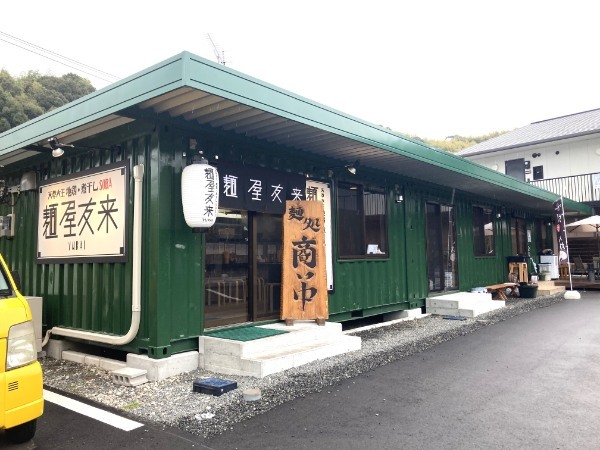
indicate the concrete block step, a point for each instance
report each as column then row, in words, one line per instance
column 299, row 333
column 279, row 361
column 464, row 304
column 456, row 300
column 270, row 361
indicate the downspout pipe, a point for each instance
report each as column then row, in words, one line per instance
column 136, row 284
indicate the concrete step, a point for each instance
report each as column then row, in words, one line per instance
column 304, row 342
column 463, row 304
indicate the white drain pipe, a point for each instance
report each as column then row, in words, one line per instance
column 136, row 282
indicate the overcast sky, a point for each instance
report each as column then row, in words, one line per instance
column 433, row 68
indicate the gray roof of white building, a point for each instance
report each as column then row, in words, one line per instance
column 573, row 125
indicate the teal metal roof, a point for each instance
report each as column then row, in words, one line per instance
column 192, row 88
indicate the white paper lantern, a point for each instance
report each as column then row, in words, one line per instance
column 200, row 194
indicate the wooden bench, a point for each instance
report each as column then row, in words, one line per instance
column 499, row 290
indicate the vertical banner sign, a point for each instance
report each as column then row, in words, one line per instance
column 304, row 280
column 83, row 217
column 316, row 190
column 561, row 232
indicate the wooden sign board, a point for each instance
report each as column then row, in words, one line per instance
column 304, row 270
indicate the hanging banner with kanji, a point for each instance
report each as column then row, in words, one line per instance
column 561, row 232
column 304, row 271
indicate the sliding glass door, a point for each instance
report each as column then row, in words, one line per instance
column 442, row 262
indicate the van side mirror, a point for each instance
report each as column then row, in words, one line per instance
column 16, row 278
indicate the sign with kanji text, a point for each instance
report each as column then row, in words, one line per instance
column 304, row 277
column 83, row 217
column 561, row 232
column 258, row 189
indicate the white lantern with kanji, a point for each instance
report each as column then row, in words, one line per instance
column 200, row 194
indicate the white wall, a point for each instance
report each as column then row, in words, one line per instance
column 576, row 156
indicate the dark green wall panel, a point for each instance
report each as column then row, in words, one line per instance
column 97, row 296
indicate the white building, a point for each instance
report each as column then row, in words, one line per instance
column 561, row 155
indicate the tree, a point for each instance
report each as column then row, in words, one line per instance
column 26, row 97
column 455, row 144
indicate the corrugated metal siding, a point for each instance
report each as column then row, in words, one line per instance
column 367, row 284
column 90, row 296
column 416, row 244
column 175, row 256
column 97, row 296
column 475, row 271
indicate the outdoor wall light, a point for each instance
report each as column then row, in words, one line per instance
column 57, row 147
column 498, row 215
column 352, row 167
column 535, row 155
column 398, row 197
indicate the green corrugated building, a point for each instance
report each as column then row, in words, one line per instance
column 405, row 221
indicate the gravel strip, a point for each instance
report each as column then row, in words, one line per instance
column 172, row 401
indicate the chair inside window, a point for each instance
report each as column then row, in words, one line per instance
column 580, row 268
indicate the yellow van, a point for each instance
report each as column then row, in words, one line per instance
column 21, row 385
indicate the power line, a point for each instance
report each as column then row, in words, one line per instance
column 87, row 72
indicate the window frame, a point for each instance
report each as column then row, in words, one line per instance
column 480, row 244
column 362, row 230
column 518, row 232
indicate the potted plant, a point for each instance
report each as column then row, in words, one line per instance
column 528, row 290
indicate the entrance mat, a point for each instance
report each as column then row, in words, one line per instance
column 245, row 333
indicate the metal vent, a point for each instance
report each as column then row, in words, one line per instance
column 13, row 386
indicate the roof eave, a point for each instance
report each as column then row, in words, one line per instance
column 531, row 143
column 156, row 80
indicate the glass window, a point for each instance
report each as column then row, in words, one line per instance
column 362, row 222
column 483, row 232
column 518, row 232
column 442, row 260
column 542, row 236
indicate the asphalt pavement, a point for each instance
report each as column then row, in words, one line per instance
column 532, row 381
column 529, row 382
column 62, row 429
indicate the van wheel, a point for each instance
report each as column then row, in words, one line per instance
column 21, row 433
